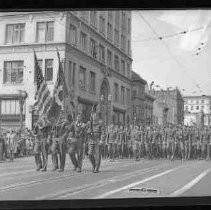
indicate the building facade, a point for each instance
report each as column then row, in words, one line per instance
column 197, row 110
column 172, row 103
column 138, row 97
column 94, row 46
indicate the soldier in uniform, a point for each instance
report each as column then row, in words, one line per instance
column 37, row 148
column 96, row 136
column 208, row 144
column 204, row 137
column 120, row 141
column 135, row 137
column 45, row 146
column 111, row 141
column 75, row 141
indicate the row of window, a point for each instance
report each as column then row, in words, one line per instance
column 125, row 24
column 195, row 101
column 192, row 107
column 11, row 107
column 121, row 97
column 15, row 33
column 98, row 51
column 13, row 71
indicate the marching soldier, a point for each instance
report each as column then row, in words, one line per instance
column 120, row 136
column 75, row 142
column 96, row 135
column 208, row 144
column 44, row 147
column 203, row 143
column 37, row 148
column 111, row 141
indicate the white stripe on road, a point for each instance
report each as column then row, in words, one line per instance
column 190, row 184
column 72, row 191
column 16, row 173
column 135, row 183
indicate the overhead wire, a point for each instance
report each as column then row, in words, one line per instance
column 184, row 68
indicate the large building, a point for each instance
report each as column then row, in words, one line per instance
column 197, row 110
column 173, row 104
column 142, row 101
column 94, row 46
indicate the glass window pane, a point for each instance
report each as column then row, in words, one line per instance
column 17, row 107
column 50, row 31
column 9, row 31
column 12, row 107
column 41, row 32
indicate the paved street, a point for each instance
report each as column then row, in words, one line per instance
column 19, row 180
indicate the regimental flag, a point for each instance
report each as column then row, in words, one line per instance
column 42, row 96
column 57, row 111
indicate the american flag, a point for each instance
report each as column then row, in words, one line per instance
column 42, row 96
column 57, row 111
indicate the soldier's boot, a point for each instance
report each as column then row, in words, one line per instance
column 73, row 160
column 79, row 161
column 54, row 161
column 38, row 162
column 92, row 160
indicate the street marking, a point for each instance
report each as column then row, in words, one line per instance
column 190, row 184
column 16, row 173
column 71, row 191
column 64, row 177
column 135, row 183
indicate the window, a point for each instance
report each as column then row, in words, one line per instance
column 83, row 41
column 116, row 92
column 128, row 47
column 123, row 67
column 109, row 58
column 135, row 91
column 73, row 34
column 92, row 81
column 128, row 70
column 93, row 48
column 202, row 107
column 15, row 33
column 197, row 101
column 11, row 107
column 128, row 96
column 123, row 95
column 102, row 53
column 202, row 101
column 116, row 63
column 117, row 19
column 122, row 42
column 128, row 26
column 116, row 37
column 45, row 31
column 48, row 70
column 123, row 21
column 93, row 15
column 73, row 74
column 102, row 24
column 197, row 107
column 13, row 71
column 82, row 77
column 35, row 72
column 109, row 30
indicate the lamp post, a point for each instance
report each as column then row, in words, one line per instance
column 21, row 95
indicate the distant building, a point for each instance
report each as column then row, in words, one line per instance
column 94, row 46
column 197, row 110
column 138, row 97
column 172, row 102
column 142, row 101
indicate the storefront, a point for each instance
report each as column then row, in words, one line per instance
column 119, row 116
column 12, row 111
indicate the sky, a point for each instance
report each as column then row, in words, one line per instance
column 182, row 57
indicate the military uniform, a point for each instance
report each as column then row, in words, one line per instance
column 96, row 135
column 75, row 142
column 203, row 143
column 112, row 135
column 209, row 145
column 37, row 150
column 135, row 135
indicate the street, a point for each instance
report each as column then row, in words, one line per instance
column 120, row 179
